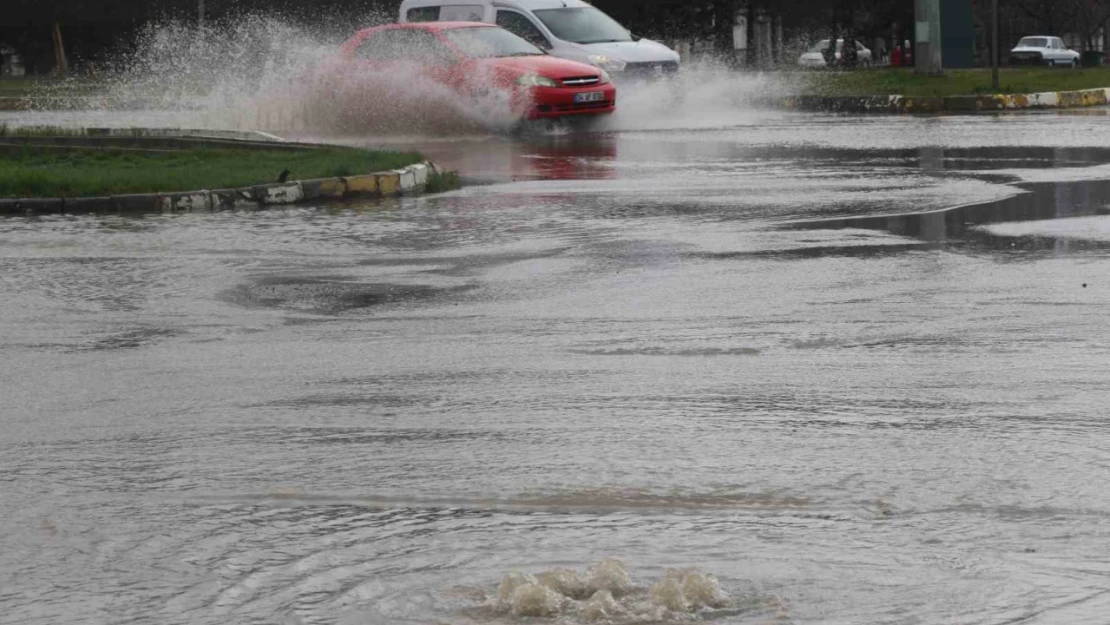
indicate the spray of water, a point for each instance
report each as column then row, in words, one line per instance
column 703, row 95
column 607, row 593
column 265, row 73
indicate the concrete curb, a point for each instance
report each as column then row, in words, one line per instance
column 951, row 104
column 393, row 183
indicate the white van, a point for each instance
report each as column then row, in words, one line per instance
column 570, row 29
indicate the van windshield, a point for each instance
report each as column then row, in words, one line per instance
column 583, row 25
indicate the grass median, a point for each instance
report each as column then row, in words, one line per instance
column 24, row 86
column 31, row 172
column 891, row 81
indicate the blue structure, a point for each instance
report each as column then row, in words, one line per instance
column 957, row 27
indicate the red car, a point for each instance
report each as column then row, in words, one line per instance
column 475, row 59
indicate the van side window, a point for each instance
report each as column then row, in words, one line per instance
column 462, row 13
column 522, row 27
column 423, row 14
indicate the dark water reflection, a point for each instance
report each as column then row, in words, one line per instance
column 961, row 226
column 609, row 156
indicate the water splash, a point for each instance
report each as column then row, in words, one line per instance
column 264, row 73
column 607, row 593
column 703, row 95
column 259, row 72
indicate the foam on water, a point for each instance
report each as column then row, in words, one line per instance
column 607, row 593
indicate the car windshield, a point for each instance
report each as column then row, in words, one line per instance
column 583, row 25
column 484, row 43
column 1033, row 42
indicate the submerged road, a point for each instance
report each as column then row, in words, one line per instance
column 755, row 348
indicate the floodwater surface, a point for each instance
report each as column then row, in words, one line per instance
column 763, row 350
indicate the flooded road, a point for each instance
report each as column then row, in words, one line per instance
column 763, row 349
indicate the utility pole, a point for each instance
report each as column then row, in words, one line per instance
column 200, row 14
column 996, row 52
column 928, row 55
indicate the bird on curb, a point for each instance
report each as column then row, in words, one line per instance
column 284, row 175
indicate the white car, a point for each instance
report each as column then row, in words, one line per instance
column 1049, row 51
column 571, row 29
column 815, row 56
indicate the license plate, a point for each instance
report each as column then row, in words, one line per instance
column 592, row 96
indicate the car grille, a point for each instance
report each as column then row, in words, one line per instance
column 1026, row 58
column 581, row 81
column 584, row 106
column 648, row 70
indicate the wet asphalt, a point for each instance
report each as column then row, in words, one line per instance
column 853, row 367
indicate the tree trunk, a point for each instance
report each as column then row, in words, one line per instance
column 778, row 53
column 61, row 66
column 753, row 49
column 830, row 52
column 724, row 18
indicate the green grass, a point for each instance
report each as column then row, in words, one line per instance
column 17, row 87
column 443, row 181
column 891, row 81
column 90, row 173
column 39, row 131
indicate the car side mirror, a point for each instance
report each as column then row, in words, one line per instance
column 634, row 36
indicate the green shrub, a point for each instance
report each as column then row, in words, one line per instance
column 443, row 181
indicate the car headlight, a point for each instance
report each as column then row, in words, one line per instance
column 535, row 80
column 606, row 63
column 605, row 79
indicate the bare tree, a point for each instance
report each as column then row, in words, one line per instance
column 1091, row 16
column 724, row 19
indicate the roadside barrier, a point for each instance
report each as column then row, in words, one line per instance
column 409, row 180
column 950, row 104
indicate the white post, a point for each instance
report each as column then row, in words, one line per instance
column 928, row 55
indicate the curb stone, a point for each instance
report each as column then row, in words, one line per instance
column 393, row 183
column 950, row 104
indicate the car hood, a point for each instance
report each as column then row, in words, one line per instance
column 1027, row 49
column 642, row 51
column 549, row 66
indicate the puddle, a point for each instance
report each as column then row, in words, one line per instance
column 326, row 296
column 964, row 225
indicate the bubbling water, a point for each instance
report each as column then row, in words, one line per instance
column 606, row 593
